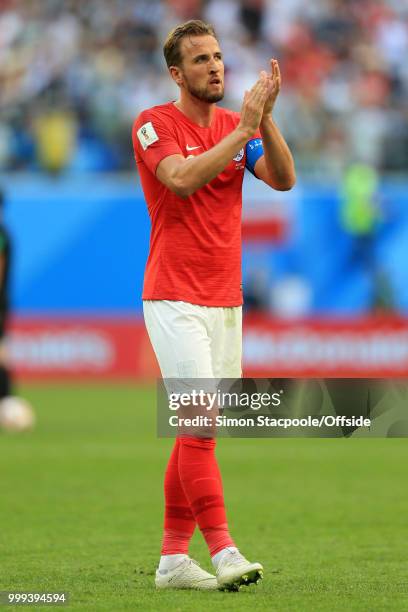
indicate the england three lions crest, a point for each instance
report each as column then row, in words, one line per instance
column 239, row 156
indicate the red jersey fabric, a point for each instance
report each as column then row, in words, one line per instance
column 195, row 243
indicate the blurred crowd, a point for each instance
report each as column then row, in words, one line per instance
column 74, row 74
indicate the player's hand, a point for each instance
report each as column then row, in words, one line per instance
column 274, row 82
column 253, row 105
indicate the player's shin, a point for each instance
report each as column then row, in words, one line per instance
column 179, row 522
column 201, row 480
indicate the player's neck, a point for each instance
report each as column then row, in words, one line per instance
column 197, row 111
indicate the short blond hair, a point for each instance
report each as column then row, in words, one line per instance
column 194, row 27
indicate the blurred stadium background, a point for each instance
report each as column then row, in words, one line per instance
column 325, row 282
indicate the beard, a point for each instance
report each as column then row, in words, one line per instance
column 203, row 93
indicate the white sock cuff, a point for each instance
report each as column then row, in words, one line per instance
column 169, row 562
column 217, row 558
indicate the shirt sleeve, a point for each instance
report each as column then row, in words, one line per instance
column 3, row 242
column 153, row 140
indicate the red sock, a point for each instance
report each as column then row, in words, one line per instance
column 179, row 522
column 201, row 480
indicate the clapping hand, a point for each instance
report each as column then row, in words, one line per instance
column 274, row 82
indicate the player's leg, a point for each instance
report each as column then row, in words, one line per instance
column 179, row 336
column 201, row 480
column 5, row 375
column 180, row 340
column 5, row 380
column 179, row 522
column 233, row 570
column 176, row 569
column 226, row 343
column 198, row 468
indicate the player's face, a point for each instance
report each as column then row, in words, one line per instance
column 202, row 68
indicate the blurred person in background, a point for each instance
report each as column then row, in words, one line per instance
column 54, row 139
column 5, row 254
column 361, row 218
column 344, row 62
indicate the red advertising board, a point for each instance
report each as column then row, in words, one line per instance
column 113, row 349
column 360, row 348
column 116, row 349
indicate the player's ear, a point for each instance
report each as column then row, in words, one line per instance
column 176, row 74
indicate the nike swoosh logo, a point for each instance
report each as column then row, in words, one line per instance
column 192, row 148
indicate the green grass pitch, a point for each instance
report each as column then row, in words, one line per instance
column 81, row 511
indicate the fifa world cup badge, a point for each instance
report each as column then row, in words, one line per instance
column 147, row 135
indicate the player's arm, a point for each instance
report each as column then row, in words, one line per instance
column 2, row 258
column 2, row 268
column 185, row 176
column 276, row 166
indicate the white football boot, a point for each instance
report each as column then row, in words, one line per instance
column 234, row 570
column 186, row 575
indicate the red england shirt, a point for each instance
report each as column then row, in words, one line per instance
column 195, row 243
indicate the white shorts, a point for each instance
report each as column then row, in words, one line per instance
column 192, row 341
